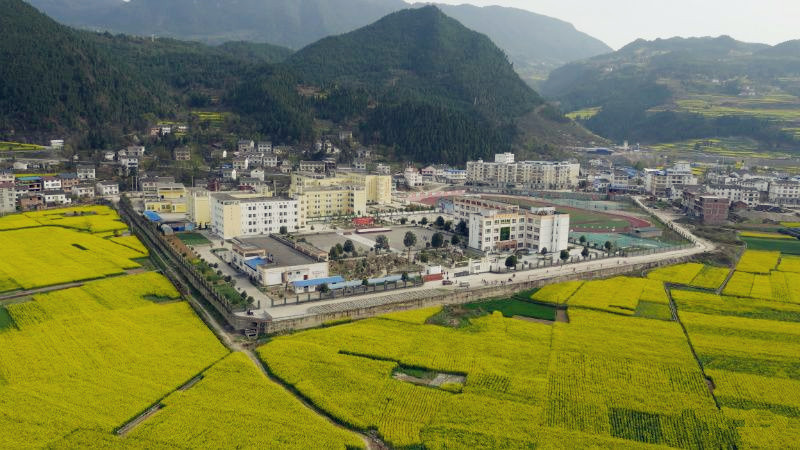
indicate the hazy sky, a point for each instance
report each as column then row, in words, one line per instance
column 618, row 22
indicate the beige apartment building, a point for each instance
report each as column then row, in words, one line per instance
column 534, row 174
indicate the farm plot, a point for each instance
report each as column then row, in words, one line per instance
column 707, row 303
column 691, row 274
column 76, row 360
column 602, row 380
column 94, row 218
column 776, row 285
column 789, row 264
column 749, row 347
column 622, row 295
column 755, row 261
column 44, row 256
column 228, row 408
column 788, row 246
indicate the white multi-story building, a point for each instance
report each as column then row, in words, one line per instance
column 51, row 183
column 264, row 146
column 658, row 181
column 129, row 162
column 412, row 176
column 56, row 198
column 534, row 174
column 270, row 160
column 86, row 173
column 784, row 192
column 499, row 226
column 236, row 214
column 8, row 197
column 736, row 193
column 107, row 188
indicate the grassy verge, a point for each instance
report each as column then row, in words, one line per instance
column 193, row 238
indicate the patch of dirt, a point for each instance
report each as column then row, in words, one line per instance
column 446, row 378
column 534, row 320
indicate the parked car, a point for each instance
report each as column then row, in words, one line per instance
column 447, row 282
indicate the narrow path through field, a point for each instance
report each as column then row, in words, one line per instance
column 675, row 314
column 371, row 442
column 29, row 292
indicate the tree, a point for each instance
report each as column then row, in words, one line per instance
column 403, row 221
column 462, row 228
column 437, row 240
column 409, row 240
column 423, row 258
column 564, row 255
column 544, row 251
column 608, row 246
column 365, row 282
column 448, row 226
column 283, row 230
column 511, row 261
column 324, row 288
column 381, row 243
column 582, row 240
column 348, row 246
column 585, row 252
column 404, row 276
column 423, row 221
column 455, row 240
column 339, row 249
column 333, row 253
column 439, row 222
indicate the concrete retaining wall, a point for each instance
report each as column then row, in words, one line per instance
column 457, row 297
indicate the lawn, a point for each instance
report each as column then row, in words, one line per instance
column 18, row 146
column 791, row 247
column 512, row 307
column 6, row 322
column 190, row 238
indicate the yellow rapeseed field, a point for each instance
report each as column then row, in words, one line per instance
column 418, row 316
column 789, row 264
column 75, row 361
column 92, row 218
column 557, row 293
column 756, row 261
column 594, row 381
column 237, row 406
column 680, row 274
column 44, row 256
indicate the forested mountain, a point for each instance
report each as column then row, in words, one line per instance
column 536, row 44
column 422, row 82
column 417, row 83
column 53, row 78
column 676, row 89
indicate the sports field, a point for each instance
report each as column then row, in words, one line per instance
column 583, row 219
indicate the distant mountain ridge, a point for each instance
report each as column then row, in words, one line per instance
column 535, row 43
column 685, row 88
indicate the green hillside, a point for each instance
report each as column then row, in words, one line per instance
column 54, row 79
column 677, row 89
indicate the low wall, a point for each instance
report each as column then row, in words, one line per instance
column 454, row 298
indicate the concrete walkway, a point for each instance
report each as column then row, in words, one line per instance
column 242, row 281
